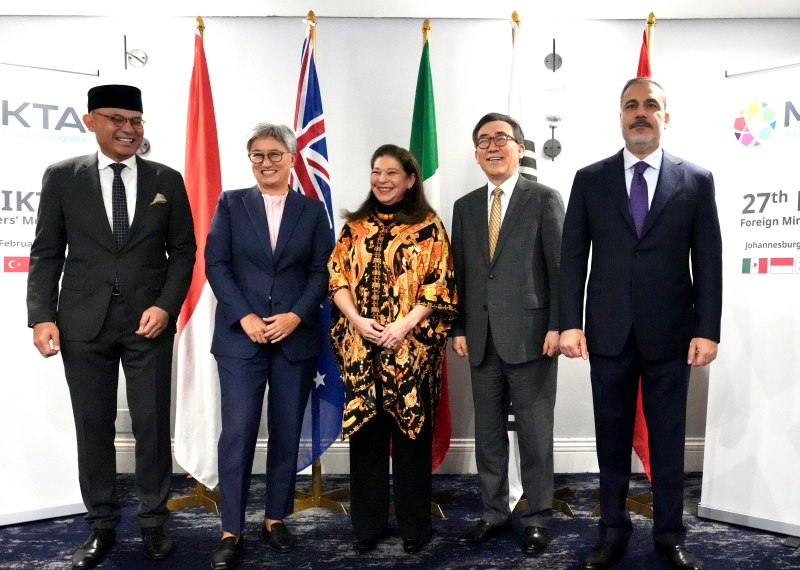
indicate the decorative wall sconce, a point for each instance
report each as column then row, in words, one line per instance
column 135, row 57
column 554, row 106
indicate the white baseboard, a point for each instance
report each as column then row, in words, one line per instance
column 570, row 455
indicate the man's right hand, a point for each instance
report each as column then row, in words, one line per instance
column 43, row 333
column 460, row 345
column 255, row 328
column 573, row 344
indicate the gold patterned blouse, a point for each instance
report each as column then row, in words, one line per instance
column 389, row 268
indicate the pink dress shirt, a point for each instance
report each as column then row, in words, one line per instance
column 274, row 206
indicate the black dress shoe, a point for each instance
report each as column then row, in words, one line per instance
column 412, row 545
column 363, row 546
column 279, row 538
column 604, row 555
column 157, row 543
column 228, row 553
column 535, row 540
column 94, row 548
column 483, row 531
column 679, row 557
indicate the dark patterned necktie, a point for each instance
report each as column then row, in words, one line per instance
column 119, row 206
column 638, row 198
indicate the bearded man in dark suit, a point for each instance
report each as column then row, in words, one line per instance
column 653, row 309
column 121, row 229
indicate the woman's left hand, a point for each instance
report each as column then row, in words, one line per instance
column 393, row 334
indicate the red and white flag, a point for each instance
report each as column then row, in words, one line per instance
column 781, row 265
column 197, row 415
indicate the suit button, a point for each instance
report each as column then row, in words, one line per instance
column 638, row 254
column 486, row 307
column 491, row 276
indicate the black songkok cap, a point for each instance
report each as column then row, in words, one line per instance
column 116, row 96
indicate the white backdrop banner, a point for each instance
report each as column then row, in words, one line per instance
column 39, row 124
column 752, row 453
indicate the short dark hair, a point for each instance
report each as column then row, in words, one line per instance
column 519, row 136
column 636, row 80
column 415, row 206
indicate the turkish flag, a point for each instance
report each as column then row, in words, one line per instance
column 16, row 264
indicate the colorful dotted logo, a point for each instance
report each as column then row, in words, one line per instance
column 754, row 124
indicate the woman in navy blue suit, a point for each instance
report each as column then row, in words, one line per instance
column 266, row 258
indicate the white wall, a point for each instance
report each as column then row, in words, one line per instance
column 367, row 70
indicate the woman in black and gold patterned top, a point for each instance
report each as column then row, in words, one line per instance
column 391, row 279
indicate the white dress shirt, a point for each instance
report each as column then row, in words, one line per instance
column 129, row 179
column 650, row 175
column 508, row 188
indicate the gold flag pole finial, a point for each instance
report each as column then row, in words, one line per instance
column 651, row 32
column 517, row 21
column 426, row 30
column 312, row 21
column 200, row 26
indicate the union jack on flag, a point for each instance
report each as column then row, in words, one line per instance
column 310, row 172
column 322, row 422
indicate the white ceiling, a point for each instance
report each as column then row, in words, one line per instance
column 501, row 9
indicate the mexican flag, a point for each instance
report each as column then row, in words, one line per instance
column 425, row 149
column 754, row 265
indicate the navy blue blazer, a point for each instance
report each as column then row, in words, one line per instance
column 667, row 285
column 248, row 277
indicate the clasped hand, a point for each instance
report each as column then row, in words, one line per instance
column 388, row 336
column 272, row 329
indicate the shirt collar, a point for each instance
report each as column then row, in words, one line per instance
column 103, row 161
column 507, row 187
column 654, row 159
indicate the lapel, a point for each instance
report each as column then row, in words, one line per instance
column 145, row 192
column 254, row 205
column 291, row 215
column 615, row 181
column 516, row 205
column 89, row 178
column 479, row 211
column 669, row 178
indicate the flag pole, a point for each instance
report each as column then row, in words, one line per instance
column 200, row 496
column 650, row 25
column 316, row 498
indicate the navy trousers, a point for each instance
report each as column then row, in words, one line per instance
column 615, row 386
column 242, row 386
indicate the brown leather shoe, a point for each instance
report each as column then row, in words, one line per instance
column 94, row 548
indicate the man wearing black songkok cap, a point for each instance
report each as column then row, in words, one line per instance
column 121, row 229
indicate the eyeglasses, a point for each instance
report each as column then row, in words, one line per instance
column 273, row 156
column 500, row 140
column 119, row 120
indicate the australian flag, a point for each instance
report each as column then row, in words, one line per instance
column 323, row 419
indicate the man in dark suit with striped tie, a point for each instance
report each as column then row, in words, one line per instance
column 506, row 248
column 120, row 228
column 653, row 308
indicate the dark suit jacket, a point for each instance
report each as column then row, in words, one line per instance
column 154, row 264
column 643, row 283
column 248, row 277
column 517, row 291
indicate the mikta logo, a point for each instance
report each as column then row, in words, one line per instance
column 755, row 124
column 16, row 264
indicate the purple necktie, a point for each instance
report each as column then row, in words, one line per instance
column 638, row 199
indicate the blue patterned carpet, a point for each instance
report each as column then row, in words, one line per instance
column 324, row 538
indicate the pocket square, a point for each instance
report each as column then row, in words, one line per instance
column 159, row 199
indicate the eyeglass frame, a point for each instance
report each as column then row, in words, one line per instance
column 496, row 140
column 280, row 153
column 125, row 120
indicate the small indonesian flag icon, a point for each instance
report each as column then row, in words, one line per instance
column 754, row 265
column 781, row 265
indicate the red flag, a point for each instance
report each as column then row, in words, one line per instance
column 640, row 445
column 197, row 402
column 443, row 428
column 644, row 59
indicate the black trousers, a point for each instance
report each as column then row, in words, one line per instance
column 615, row 386
column 92, row 372
column 411, row 472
